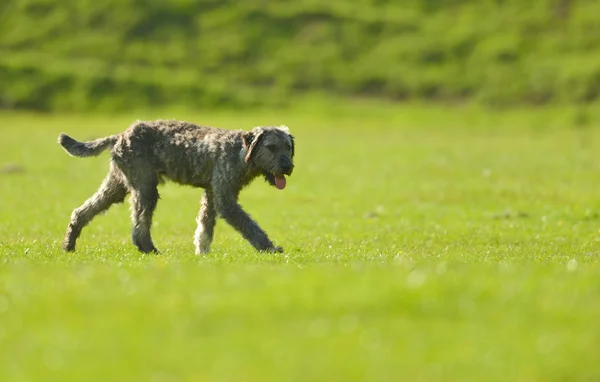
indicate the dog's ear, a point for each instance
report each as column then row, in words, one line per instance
column 293, row 145
column 286, row 130
column 251, row 139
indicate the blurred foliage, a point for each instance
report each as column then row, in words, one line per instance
column 116, row 54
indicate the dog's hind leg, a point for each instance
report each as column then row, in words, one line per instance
column 112, row 190
column 144, row 198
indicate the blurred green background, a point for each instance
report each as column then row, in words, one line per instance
column 80, row 55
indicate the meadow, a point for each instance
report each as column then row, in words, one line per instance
column 422, row 244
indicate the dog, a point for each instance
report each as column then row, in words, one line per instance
column 220, row 161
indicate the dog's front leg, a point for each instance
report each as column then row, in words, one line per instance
column 233, row 213
column 206, row 223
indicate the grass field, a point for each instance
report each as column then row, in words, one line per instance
column 421, row 245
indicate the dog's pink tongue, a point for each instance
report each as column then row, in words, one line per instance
column 280, row 182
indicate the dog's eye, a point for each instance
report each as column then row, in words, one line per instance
column 271, row 148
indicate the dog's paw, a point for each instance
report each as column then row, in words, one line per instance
column 273, row 249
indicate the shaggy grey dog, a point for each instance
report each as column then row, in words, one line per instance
column 220, row 161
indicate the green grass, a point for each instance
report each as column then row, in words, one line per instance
column 421, row 245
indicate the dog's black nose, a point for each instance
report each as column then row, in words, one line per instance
column 286, row 165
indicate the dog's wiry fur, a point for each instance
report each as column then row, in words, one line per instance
column 220, row 161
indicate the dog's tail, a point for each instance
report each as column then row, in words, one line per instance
column 86, row 149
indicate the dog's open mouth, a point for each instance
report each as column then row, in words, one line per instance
column 278, row 181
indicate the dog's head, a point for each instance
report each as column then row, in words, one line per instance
column 271, row 150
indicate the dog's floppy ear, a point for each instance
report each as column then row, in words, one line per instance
column 251, row 139
column 293, row 145
column 286, row 130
